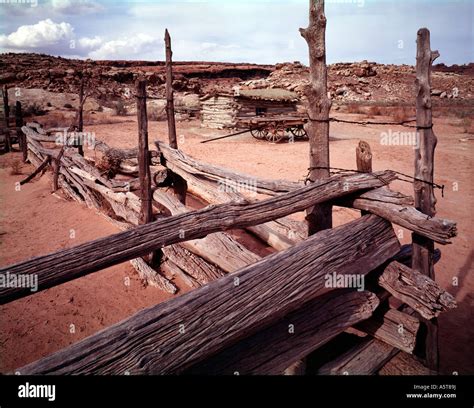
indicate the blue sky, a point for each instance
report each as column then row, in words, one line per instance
column 259, row 31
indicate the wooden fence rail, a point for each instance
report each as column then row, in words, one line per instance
column 69, row 264
column 173, row 336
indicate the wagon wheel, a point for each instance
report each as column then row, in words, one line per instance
column 299, row 132
column 275, row 134
column 259, row 133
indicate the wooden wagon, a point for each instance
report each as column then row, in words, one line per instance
column 275, row 129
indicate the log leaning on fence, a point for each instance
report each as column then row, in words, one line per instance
column 172, row 336
column 416, row 290
column 292, row 337
column 220, row 174
column 73, row 263
column 384, row 203
column 219, row 248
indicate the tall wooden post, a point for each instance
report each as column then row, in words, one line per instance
column 423, row 248
column 170, row 93
column 146, row 212
column 19, row 134
column 179, row 184
column 6, row 112
column 80, row 117
column 320, row 216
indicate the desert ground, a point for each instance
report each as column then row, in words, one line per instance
column 35, row 222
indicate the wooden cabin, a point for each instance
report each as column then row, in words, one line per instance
column 220, row 111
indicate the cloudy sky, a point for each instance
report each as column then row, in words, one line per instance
column 260, row 31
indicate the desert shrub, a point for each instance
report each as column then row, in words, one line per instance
column 15, row 167
column 375, row 110
column 157, row 114
column 466, row 124
column 354, row 108
column 68, row 106
column 401, row 114
column 35, row 109
column 120, row 108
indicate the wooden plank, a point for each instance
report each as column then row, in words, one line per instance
column 273, row 349
column 416, row 290
column 172, row 336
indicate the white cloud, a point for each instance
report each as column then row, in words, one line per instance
column 41, row 34
column 127, row 47
column 90, row 43
column 76, row 7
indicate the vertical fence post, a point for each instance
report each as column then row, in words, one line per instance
column 320, row 216
column 179, row 184
column 6, row 111
column 146, row 212
column 169, row 93
column 19, row 134
column 423, row 248
column 80, row 118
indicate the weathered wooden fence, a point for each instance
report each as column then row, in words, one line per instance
column 247, row 314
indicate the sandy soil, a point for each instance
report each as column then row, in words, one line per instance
column 38, row 325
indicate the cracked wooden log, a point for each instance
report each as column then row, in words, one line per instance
column 393, row 327
column 219, row 248
column 365, row 358
column 146, row 272
column 152, row 277
column 222, row 175
column 194, row 266
column 279, row 234
column 273, row 349
column 69, row 264
column 416, row 290
column 174, row 335
column 437, row 229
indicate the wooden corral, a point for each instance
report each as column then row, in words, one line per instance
column 248, row 314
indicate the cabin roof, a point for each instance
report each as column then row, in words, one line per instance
column 269, row 94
